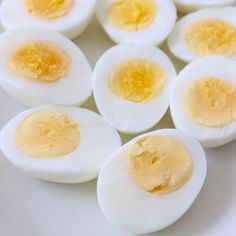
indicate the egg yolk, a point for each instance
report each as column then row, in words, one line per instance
column 40, row 61
column 48, row 134
column 207, row 37
column 137, row 80
column 132, row 15
column 159, row 164
column 211, row 101
column 48, row 9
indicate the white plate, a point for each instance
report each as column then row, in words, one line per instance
column 31, row 207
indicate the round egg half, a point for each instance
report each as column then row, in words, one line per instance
column 40, row 66
column 132, row 86
column 186, row 6
column 203, row 100
column 138, row 21
column 151, row 181
column 59, row 144
column 69, row 17
column 205, row 32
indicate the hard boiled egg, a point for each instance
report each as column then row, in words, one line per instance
column 132, row 86
column 69, row 17
column 40, row 66
column 203, row 100
column 139, row 21
column 151, row 181
column 193, row 5
column 205, row 32
column 60, row 144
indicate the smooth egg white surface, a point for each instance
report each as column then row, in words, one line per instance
column 14, row 15
column 72, row 89
column 154, row 34
column 126, row 116
column 216, row 66
column 186, row 6
column 127, row 205
column 176, row 40
column 97, row 141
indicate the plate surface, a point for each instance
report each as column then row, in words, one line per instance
column 31, row 207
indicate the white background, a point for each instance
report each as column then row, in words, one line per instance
column 31, row 207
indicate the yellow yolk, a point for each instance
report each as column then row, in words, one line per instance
column 207, row 37
column 137, row 80
column 132, row 15
column 159, row 164
column 48, row 134
column 40, row 61
column 48, row 9
column 211, row 101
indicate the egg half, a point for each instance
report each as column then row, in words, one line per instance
column 151, row 181
column 59, row 144
column 69, row 17
column 132, row 85
column 205, row 32
column 40, row 66
column 203, row 100
column 138, row 21
column 186, row 6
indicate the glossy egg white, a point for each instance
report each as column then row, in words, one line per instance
column 97, row 141
column 127, row 205
column 126, row 116
column 13, row 15
column 72, row 89
column 176, row 40
column 217, row 66
column 186, row 6
column 154, row 34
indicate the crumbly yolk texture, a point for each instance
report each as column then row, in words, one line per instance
column 213, row 36
column 48, row 9
column 137, row 80
column 132, row 15
column 211, row 101
column 39, row 61
column 48, row 134
column 159, row 164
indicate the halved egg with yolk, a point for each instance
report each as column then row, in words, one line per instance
column 203, row 101
column 132, row 86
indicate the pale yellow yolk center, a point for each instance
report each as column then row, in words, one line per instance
column 48, row 9
column 159, row 164
column 132, row 15
column 211, row 101
column 48, row 134
column 137, row 80
column 207, row 37
column 40, row 61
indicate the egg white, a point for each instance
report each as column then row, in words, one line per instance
column 97, row 141
column 125, row 204
column 154, row 34
column 217, row 66
column 72, row 89
column 186, row 6
column 176, row 40
column 14, row 15
column 126, row 116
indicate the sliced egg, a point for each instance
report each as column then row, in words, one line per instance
column 203, row 100
column 69, row 17
column 132, row 86
column 186, row 6
column 59, row 144
column 151, row 181
column 40, row 66
column 139, row 21
column 205, row 32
